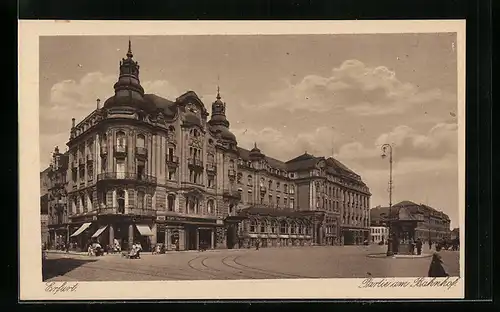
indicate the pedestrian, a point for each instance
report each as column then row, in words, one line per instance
column 412, row 247
column 436, row 268
column 430, row 244
column 257, row 244
column 419, row 246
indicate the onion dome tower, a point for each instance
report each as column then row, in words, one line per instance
column 128, row 89
column 218, row 121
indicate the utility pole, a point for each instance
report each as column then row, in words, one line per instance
column 388, row 148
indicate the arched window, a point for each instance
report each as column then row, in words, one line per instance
column 293, row 227
column 270, row 184
column 285, row 188
column 210, row 206
column 263, row 226
column 120, row 197
column 283, row 228
column 249, row 178
column 104, row 140
column 240, row 176
column 140, row 199
column 253, row 226
column 274, row 227
column 231, row 164
column 231, row 208
column 170, row 202
column 121, row 139
column 141, row 141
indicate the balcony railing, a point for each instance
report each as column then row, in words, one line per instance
column 81, row 161
column 126, row 176
column 195, row 162
column 231, row 173
column 90, row 158
column 231, row 193
column 104, row 150
column 126, row 211
column 263, row 189
column 211, row 167
column 141, row 152
column 172, row 160
column 120, row 150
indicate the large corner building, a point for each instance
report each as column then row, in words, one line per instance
column 144, row 168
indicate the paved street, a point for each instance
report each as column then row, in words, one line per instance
column 266, row 263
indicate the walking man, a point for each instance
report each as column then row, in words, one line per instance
column 419, row 246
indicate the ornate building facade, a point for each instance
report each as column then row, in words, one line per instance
column 58, row 216
column 148, row 169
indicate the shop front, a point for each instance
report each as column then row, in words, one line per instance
column 355, row 235
column 185, row 233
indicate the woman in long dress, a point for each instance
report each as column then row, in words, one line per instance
column 436, row 269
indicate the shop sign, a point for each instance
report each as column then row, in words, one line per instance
column 181, row 219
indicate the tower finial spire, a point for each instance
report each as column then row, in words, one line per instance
column 129, row 53
column 255, row 144
column 218, row 87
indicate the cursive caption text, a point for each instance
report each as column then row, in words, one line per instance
column 446, row 283
column 54, row 288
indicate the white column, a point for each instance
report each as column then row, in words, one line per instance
column 114, row 199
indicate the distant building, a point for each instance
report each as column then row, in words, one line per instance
column 379, row 234
column 431, row 223
column 455, row 233
column 44, row 204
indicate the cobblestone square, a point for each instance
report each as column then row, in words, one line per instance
column 266, row 263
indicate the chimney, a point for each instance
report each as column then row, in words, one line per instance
column 98, row 103
column 72, row 122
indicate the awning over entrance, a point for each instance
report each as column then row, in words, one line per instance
column 144, row 230
column 81, row 229
column 99, row 231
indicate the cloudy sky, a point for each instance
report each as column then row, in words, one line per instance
column 344, row 95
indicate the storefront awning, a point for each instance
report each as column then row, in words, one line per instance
column 81, row 229
column 99, row 231
column 144, row 230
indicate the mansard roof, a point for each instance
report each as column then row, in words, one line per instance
column 166, row 106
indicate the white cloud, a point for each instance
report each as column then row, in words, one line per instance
column 286, row 144
column 76, row 99
column 355, row 88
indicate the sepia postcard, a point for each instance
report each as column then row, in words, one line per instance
column 241, row 160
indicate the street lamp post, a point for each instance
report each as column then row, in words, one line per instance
column 388, row 148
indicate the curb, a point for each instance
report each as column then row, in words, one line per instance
column 384, row 255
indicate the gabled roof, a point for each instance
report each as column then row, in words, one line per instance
column 405, row 203
column 302, row 157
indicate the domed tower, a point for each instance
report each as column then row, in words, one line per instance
column 128, row 89
column 218, row 122
column 255, row 153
